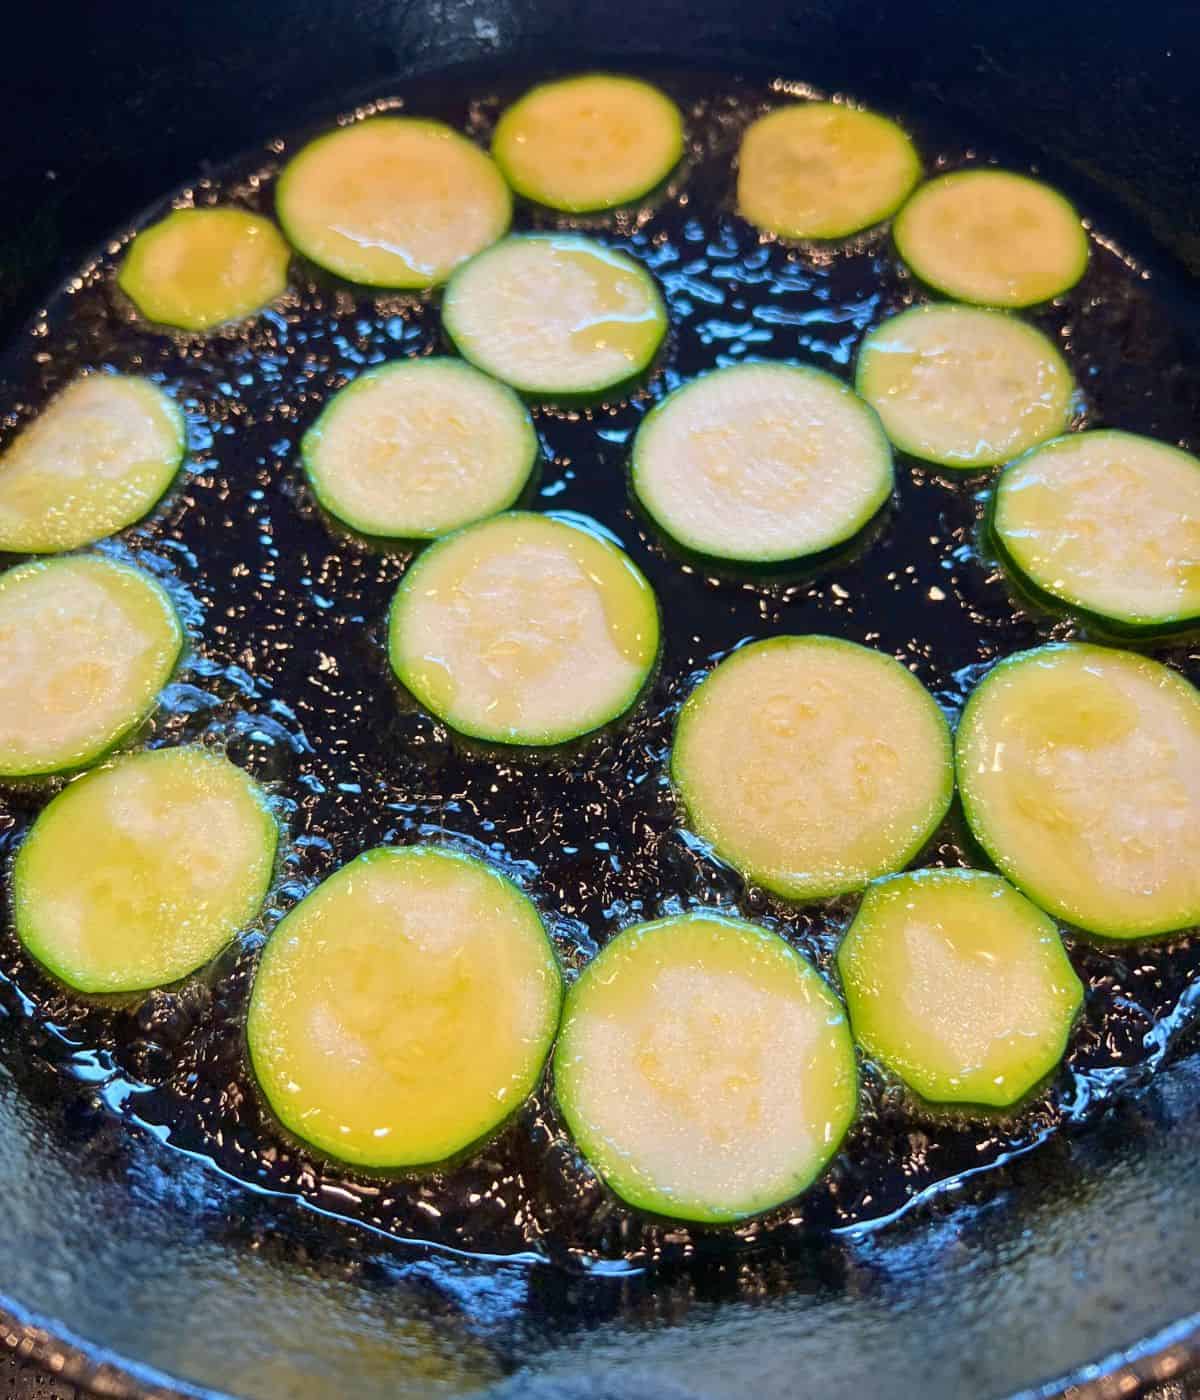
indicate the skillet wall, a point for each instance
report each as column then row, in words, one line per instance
column 127, row 1246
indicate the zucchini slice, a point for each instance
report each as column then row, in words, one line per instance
column 140, row 873
column 705, row 1068
column 992, row 238
column 524, row 629
column 823, row 170
column 1107, row 522
column 96, row 459
column 85, row 646
column 1079, row 768
column 416, row 449
column 760, row 463
column 200, row 268
column 964, row 387
column 813, row 765
column 959, row 985
column 404, row 1009
column 555, row 315
column 392, row 202
column 588, row 143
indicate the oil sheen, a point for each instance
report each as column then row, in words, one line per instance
column 288, row 673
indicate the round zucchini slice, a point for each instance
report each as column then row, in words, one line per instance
column 762, row 462
column 85, row 647
column 404, row 1009
column 1106, row 522
column 417, row 449
column 959, row 985
column 588, row 143
column 555, row 315
column 96, row 459
column 823, row 170
column 392, row 202
column 200, row 268
column 139, row 873
column 1079, row 768
column 524, row 629
column 992, row 238
column 705, row 1068
column 813, row 765
column 964, row 387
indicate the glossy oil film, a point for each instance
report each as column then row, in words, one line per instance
column 288, row 672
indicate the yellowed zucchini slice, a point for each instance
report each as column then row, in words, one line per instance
column 86, row 644
column 823, row 170
column 404, row 1009
column 589, row 142
column 392, row 202
column 813, row 765
column 96, row 459
column 524, row 629
column 959, row 985
column 139, row 873
column 993, row 238
column 416, row 449
column 556, row 316
column 964, row 387
column 1079, row 768
column 1106, row 522
column 704, row 1068
column 199, row 268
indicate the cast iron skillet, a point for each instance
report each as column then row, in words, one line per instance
column 1081, row 1261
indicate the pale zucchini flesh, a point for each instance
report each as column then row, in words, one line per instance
column 418, row 448
column 588, row 143
column 140, row 873
column 704, row 1068
column 813, row 765
column 96, row 459
column 959, row 985
column 200, row 268
column 392, row 202
column 1106, row 522
column 555, row 315
column 86, row 645
column 993, row 238
column 524, row 629
column 964, row 387
column 1079, row 768
column 404, row 1009
column 819, row 170
column 761, row 463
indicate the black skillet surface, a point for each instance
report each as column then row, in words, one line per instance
column 289, row 674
